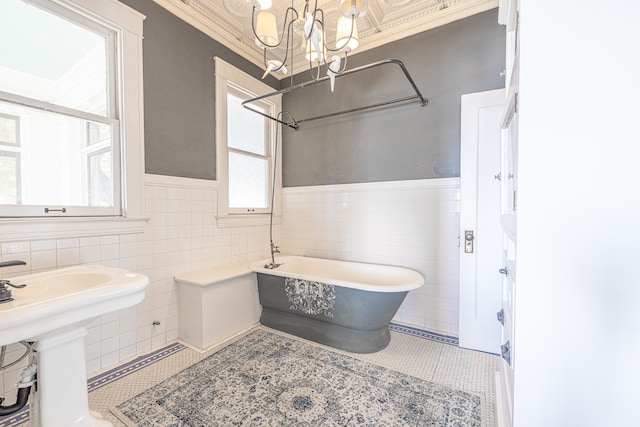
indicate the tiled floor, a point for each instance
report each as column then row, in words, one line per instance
column 409, row 353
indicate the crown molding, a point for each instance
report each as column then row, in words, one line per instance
column 427, row 22
column 454, row 12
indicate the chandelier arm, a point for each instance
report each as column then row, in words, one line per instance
column 286, row 52
column 344, row 67
column 294, row 16
column 311, row 68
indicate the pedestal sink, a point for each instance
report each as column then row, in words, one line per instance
column 53, row 311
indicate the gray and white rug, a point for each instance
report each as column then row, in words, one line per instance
column 266, row 379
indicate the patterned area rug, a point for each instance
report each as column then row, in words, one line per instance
column 265, row 379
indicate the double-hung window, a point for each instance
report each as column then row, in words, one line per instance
column 246, row 148
column 10, row 186
column 61, row 102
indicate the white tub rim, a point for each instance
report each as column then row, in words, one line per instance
column 411, row 278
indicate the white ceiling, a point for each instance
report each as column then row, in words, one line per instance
column 229, row 21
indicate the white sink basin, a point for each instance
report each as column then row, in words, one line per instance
column 59, row 298
column 53, row 311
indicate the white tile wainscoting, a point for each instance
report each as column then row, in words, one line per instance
column 408, row 223
column 412, row 224
column 181, row 236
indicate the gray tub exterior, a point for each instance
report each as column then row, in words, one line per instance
column 349, row 319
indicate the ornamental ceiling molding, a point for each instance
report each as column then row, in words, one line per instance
column 229, row 21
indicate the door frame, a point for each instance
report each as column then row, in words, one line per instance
column 479, row 328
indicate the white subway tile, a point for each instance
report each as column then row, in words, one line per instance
column 157, row 192
column 18, row 269
column 67, row 257
column 93, row 365
column 94, row 335
column 109, row 251
column 67, row 243
column 128, row 263
column 92, row 351
column 127, row 338
column 89, row 254
column 128, row 324
column 143, row 346
column 115, row 263
column 109, row 330
column 158, row 340
column 109, row 359
column 15, row 247
column 127, row 352
column 109, row 345
column 43, row 245
column 43, row 259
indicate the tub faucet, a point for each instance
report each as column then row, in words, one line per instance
column 274, row 250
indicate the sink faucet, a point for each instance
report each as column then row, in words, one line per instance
column 12, row 263
column 5, row 293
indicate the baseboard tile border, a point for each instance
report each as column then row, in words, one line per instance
column 421, row 333
column 134, row 365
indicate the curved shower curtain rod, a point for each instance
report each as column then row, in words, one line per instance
column 295, row 124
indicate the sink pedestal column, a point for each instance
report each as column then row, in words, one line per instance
column 62, row 398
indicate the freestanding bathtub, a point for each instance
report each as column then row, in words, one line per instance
column 346, row 305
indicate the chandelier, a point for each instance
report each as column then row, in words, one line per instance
column 309, row 24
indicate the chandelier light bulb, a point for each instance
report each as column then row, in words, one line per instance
column 266, row 29
column 311, row 53
column 345, row 38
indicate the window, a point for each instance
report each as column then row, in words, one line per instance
column 71, row 119
column 245, row 147
column 61, row 128
column 10, row 187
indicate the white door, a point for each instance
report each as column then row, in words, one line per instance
column 480, row 232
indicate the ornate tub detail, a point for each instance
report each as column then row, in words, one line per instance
column 347, row 305
column 310, row 297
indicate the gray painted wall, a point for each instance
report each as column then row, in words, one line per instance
column 403, row 142
column 179, row 93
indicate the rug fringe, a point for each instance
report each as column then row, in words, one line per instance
column 122, row 417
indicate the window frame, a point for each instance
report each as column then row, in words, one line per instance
column 13, row 149
column 127, row 25
column 226, row 77
column 113, row 85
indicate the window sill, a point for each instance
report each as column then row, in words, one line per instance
column 240, row 220
column 22, row 229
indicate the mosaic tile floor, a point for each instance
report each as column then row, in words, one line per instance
column 424, row 355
